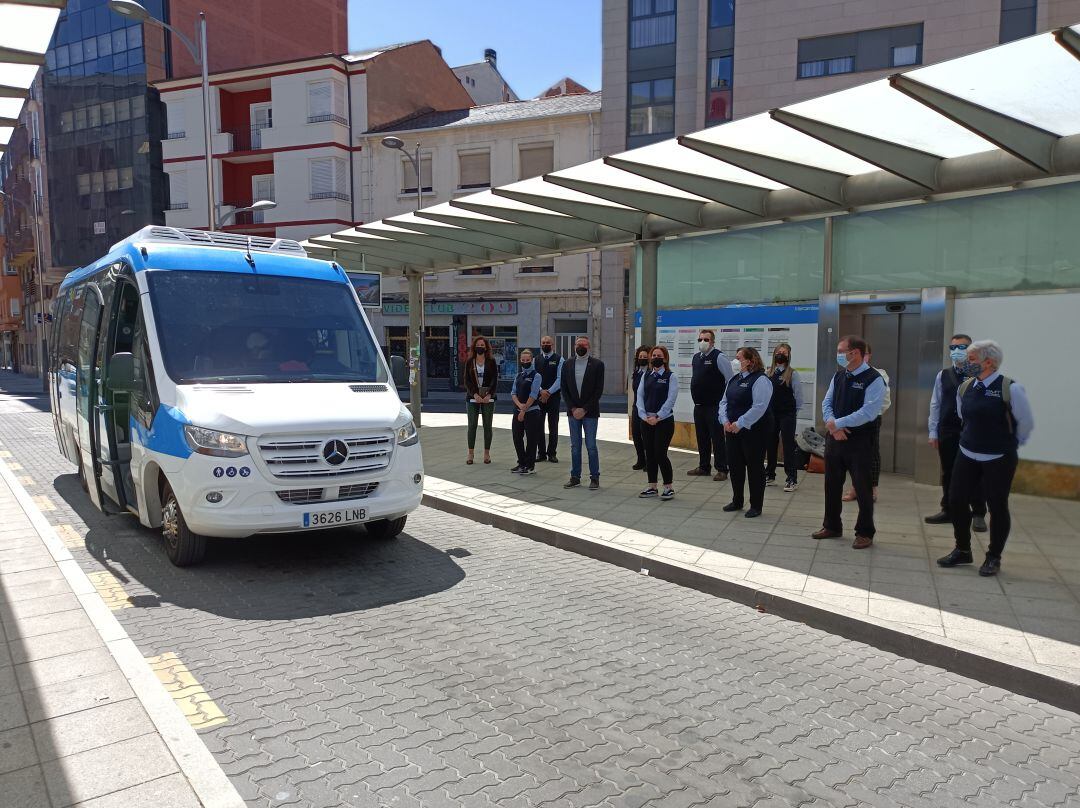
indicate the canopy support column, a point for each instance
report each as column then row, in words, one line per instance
column 416, row 340
column 648, row 251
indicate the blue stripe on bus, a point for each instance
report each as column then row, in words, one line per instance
column 166, row 434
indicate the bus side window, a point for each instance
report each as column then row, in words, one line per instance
column 68, row 343
column 60, row 309
column 144, row 400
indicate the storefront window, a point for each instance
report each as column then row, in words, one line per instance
column 503, row 340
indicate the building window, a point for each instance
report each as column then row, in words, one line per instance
column 535, row 160
column 408, row 175
column 876, row 49
column 537, row 269
column 503, row 341
column 326, row 102
column 652, row 22
column 718, row 99
column 1017, row 19
column 14, row 307
column 652, row 107
column 177, row 124
column 178, row 191
column 474, row 169
column 329, row 178
column 477, row 272
column 721, row 13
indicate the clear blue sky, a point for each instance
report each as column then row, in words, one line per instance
column 538, row 41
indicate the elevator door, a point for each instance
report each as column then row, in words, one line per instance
column 892, row 330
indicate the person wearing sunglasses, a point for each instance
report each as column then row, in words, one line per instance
column 944, row 427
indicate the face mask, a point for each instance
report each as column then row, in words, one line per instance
column 657, row 362
column 971, row 368
column 780, row 359
column 958, row 355
column 526, row 365
column 481, row 351
column 704, row 345
column 841, row 359
column 581, row 350
column 641, row 362
column 546, row 349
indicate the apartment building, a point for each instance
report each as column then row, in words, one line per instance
column 288, row 133
column 10, row 299
column 484, row 82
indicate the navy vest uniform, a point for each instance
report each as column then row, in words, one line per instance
column 656, row 391
column 740, row 398
column 949, row 420
column 707, row 383
column 523, row 386
column 548, row 368
column 638, row 373
column 849, row 395
column 783, row 395
column 989, row 425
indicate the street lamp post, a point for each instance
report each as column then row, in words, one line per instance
column 135, row 11
column 256, row 207
column 416, row 292
column 43, row 346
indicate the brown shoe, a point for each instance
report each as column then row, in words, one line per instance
column 861, row 542
column 720, row 476
column 698, row 472
column 825, row 533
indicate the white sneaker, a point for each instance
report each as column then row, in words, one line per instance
column 770, row 481
column 790, row 486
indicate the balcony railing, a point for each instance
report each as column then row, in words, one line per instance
column 248, row 138
column 330, row 195
column 177, row 206
column 176, row 135
column 328, row 117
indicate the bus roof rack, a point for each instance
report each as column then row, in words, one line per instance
column 161, row 234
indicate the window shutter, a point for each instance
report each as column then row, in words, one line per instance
column 341, row 176
column 475, row 170
column 408, row 175
column 322, row 175
column 178, row 189
column 339, row 99
column 177, row 123
column 318, row 99
column 536, row 160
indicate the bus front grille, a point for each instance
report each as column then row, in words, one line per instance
column 326, row 458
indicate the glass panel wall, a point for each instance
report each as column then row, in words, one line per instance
column 1014, row 240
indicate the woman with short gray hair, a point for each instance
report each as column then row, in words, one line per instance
column 997, row 420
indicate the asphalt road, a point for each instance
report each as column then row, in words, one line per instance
column 460, row 665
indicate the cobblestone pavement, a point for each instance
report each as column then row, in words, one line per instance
column 465, row 666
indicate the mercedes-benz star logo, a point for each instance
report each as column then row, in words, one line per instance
column 335, row 452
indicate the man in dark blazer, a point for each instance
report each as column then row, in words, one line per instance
column 582, row 386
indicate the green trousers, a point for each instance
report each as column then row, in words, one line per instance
column 475, row 411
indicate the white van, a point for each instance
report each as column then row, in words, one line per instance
column 222, row 385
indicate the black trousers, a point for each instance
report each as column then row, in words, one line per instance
column 948, row 448
column 710, row 437
column 996, row 478
column 527, row 435
column 550, row 415
column 635, row 432
column 657, row 439
column 783, row 430
column 746, row 461
column 853, row 456
column 875, row 443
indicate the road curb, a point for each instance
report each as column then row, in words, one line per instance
column 207, row 779
column 1039, row 683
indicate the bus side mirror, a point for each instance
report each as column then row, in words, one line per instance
column 121, row 373
column 399, row 370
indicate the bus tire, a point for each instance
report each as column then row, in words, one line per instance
column 386, row 528
column 183, row 547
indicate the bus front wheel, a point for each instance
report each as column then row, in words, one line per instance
column 183, row 547
column 385, row 528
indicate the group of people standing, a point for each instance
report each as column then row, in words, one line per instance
column 542, row 383
column 741, row 413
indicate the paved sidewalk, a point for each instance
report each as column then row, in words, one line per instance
column 83, row 719
column 1028, row 617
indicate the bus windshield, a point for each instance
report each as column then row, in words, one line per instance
column 230, row 327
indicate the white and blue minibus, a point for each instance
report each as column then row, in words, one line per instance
column 221, row 385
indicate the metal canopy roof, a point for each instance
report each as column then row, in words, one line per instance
column 997, row 118
column 26, row 28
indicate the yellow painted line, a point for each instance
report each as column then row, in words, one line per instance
column 191, row 697
column 24, row 480
column 110, row 589
column 72, row 539
column 43, row 503
column 14, row 467
column 5, row 454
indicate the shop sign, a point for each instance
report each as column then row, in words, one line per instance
column 462, row 307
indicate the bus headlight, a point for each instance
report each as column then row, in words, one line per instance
column 406, row 434
column 214, row 443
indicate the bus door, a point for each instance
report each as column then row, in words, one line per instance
column 115, row 349
column 87, row 383
column 57, row 383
